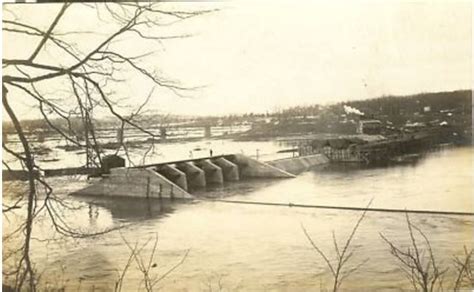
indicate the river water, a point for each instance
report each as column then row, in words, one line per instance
column 233, row 247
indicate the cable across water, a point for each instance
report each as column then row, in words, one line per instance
column 359, row 209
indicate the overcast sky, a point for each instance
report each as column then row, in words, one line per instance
column 257, row 57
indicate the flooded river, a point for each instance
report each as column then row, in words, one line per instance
column 234, row 247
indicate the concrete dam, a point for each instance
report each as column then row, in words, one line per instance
column 178, row 179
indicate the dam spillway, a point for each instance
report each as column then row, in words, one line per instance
column 178, row 179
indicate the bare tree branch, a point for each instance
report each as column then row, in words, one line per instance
column 338, row 271
column 87, row 77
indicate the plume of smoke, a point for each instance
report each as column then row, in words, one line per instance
column 352, row 110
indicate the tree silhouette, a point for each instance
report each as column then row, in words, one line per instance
column 84, row 74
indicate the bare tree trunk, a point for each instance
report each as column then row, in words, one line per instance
column 94, row 68
column 29, row 162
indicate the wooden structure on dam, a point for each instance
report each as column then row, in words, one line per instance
column 378, row 149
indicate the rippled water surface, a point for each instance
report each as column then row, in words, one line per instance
column 260, row 248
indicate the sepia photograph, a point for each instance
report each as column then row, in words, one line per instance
column 237, row 146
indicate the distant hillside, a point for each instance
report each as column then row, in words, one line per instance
column 453, row 108
column 391, row 106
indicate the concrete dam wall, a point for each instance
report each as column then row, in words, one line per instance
column 177, row 179
column 297, row 165
column 130, row 182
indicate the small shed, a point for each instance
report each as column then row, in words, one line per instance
column 371, row 127
column 111, row 161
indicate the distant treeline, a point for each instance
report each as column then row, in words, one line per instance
column 453, row 108
column 460, row 100
column 397, row 109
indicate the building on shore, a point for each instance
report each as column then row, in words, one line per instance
column 370, row 127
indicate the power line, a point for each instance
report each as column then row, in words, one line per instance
column 431, row 212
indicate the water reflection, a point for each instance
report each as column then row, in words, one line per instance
column 349, row 167
column 130, row 209
column 245, row 186
column 69, row 273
